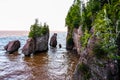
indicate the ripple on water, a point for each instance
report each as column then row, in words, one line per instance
column 56, row 64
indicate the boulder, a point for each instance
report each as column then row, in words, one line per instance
column 28, row 48
column 12, row 46
column 53, row 40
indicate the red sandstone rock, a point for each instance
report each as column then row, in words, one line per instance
column 12, row 46
column 28, row 48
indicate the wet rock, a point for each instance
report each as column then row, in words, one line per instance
column 28, row 48
column 12, row 46
column 53, row 40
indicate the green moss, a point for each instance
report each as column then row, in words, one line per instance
column 37, row 30
column 84, row 69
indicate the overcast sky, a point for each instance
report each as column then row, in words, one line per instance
column 20, row 14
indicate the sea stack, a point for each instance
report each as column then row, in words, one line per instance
column 53, row 40
column 38, row 39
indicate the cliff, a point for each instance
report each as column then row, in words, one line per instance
column 94, row 32
column 93, row 64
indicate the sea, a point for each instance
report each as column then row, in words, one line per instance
column 55, row 64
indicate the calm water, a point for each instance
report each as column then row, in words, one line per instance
column 56, row 64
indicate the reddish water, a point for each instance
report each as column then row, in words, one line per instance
column 56, row 64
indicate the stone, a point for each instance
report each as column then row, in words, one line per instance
column 12, row 46
column 53, row 40
column 28, row 48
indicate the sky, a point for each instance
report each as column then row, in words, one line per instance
column 21, row 14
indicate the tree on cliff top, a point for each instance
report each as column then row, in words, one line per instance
column 37, row 30
column 73, row 17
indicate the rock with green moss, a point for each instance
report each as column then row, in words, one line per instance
column 72, row 21
column 38, row 30
column 40, row 36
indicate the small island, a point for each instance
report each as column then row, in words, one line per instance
column 38, row 39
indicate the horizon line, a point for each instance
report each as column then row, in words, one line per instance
column 28, row 30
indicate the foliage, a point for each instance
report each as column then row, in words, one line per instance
column 107, row 24
column 99, row 51
column 37, row 30
column 88, row 14
column 84, row 69
column 73, row 17
column 104, row 17
column 84, row 38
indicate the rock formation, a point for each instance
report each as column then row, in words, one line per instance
column 28, row 48
column 38, row 39
column 12, row 46
column 53, row 40
column 92, row 66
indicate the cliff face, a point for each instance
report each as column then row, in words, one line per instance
column 93, row 66
column 73, row 43
column 76, row 39
column 69, row 40
column 97, row 42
